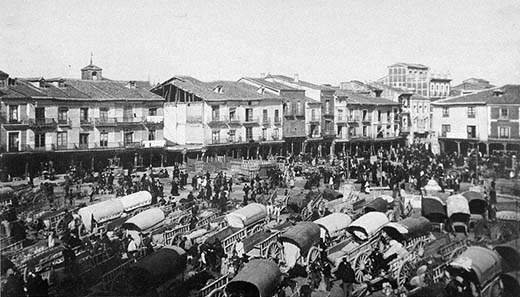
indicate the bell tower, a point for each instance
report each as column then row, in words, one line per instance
column 91, row 71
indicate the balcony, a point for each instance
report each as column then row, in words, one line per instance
column 353, row 119
column 64, row 122
column 266, row 121
column 10, row 124
column 154, row 121
column 367, row 118
column 277, row 121
column 234, row 120
column 86, row 122
column 106, row 122
column 251, row 121
column 130, row 121
column 133, row 144
column 315, row 120
column 154, row 143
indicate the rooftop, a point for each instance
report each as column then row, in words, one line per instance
column 59, row 88
column 473, row 84
column 271, row 84
column 508, row 94
column 302, row 83
column 218, row 90
column 358, row 98
column 410, row 65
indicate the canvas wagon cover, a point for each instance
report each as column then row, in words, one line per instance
column 367, row 225
column 246, row 215
column 334, row 222
column 304, row 235
column 259, row 277
column 145, row 220
column 457, row 204
column 102, row 212
column 484, row 262
column 510, row 252
column 434, row 209
column 408, row 228
column 136, row 200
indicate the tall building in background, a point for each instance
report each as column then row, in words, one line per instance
column 418, row 79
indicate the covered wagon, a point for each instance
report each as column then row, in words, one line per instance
column 481, row 267
column 247, row 215
column 258, row 278
column 145, row 221
column 511, row 282
column 434, row 209
column 379, row 204
column 367, row 226
column 298, row 244
column 333, row 225
column 150, row 272
column 476, row 201
column 101, row 212
column 408, row 228
column 136, row 200
column 510, row 252
column 457, row 208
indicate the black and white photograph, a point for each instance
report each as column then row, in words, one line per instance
column 267, row 148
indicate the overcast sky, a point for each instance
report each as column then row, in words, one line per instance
column 322, row 41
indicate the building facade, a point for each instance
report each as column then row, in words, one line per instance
column 487, row 120
column 60, row 119
column 221, row 118
column 470, row 85
column 409, row 76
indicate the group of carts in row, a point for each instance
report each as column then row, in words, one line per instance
column 350, row 232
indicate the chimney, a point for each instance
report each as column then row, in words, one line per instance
column 131, row 84
column 296, row 78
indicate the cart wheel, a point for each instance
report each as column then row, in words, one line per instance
column 305, row 213
column 362, row 262
column 313, row 255
column 274, row 251
column 418, row 248
column 404, row 273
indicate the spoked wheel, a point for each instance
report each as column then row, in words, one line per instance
column 218, row 292
column 305, row 213
column 404, row 273
column 274, row 251
column 184, row 220
column 313, row 255
column 363, row 262
column 418, row 248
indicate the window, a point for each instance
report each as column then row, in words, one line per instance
column 388, row 116
column 13, row 113
column 39, row 114
column 300, row 108
column 151, row 134
column 83, row 114
column 215, row 137
column 340, row 114
column 39, row 140
column 249, row 133
column 327, row 106
column 232, row 114
column 313, row 115
column 504, row 132
column 379, row 116
column 445, row 112
column 128, row 137
column 472, row 131
column 264, row 134
column 276, row 116
column 232, row 134
column 127, row 112
column 152, row 111
column 445, row 129
column 3, row 83
column 365, row 131
column 62, row 115
column 365, row 115
column 264, row 116
column 83, row 140
column 103, row 114
column 14, row 141
column 215, row 113
column 504, row 113
column 249, row 114
column 103, row 139
column 471, row 111
column 276, row 134
column 62, row 140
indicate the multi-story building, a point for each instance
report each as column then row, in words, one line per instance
column 322, row 94
column 410, row 76
column 302, row 115
column 60, row 119
column 418, row 79
column 365, row 122
column 221, row 118
column 470, row 85
column 487, row 120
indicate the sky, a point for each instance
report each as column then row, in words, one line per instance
column 322, row 41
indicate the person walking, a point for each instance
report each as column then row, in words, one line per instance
column 346, row 274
